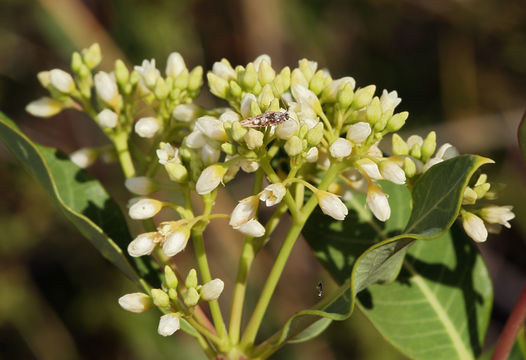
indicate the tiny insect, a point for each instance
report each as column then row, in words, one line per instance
column 266, row 119
column 320, row 289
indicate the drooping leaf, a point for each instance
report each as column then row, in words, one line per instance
column 356, row 264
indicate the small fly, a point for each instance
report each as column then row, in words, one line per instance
column 319, row 287
column 266, row 119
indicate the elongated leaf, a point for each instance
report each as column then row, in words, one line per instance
column 437, row 198
column 81, row 198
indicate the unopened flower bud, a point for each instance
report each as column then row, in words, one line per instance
column 252, row 228
column 107, row 119
column 185, row 112
column 122, row 74
column 359, row 132
column 190, row 297
column 244, row 211
column 306, row 97
column 298, row 78
column 331, row 205
column 281, row 82
column 409, row 167
column 308, row 68
column 170, row 278
column 145, row 209
column 147, row 127
column 211, row 127
column 428, row 146
column 195, row 79
column 315, row 135
column 160, row 298
column 363, row 96
column 210, row 178
column 143, row 244
column 377, row 202
column 317, row 82
column 191, row 279
column 273, row 194
column 389, row 100
column 44, row 107
column 286, row 129
column 469, row 197
column 399, row 145
column 84, row 157
column 373, row 114
column 265, row 97
column 218, row 86
column 249, row 166
column 76, row 62
column 254, row 139
column 246, row 104
column 224, row 70
column 175, row 65
column 168, row 324
column 266, row 73
column 235, row 90
column 44, row 78
column 106, row 88
column 346, row 95
column 340, row 148
column 312, row 155
column 396, row 122
column 92, row 56
column 161, row 89
column 141, row 185
column 392, row 172
column 62, row 81
column 416, row 152
column 293, row 146
column 474, row 226
column 136, row 302
column 370, row 168
column 176, row 241
column 212, row 290
column 330, row 93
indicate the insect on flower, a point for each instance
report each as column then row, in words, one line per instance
column 319, row 287
column 266, row 119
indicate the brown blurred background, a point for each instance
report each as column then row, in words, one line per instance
column 458, row 65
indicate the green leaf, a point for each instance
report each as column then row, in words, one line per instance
column 81, row 198
column 360, row 251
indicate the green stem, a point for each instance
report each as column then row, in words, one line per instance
column 249, row 336
column 121, row 146
column 243, row 268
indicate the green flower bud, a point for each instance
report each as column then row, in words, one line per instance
column 363, row 96
column 249, row 78
column 294, row 146
column 238, row 131
column 255, row 110
column 282, row 82
column 482, row 190
column 266, row 96
column 469, row 197
column 315, row 135
column 297, row 77
column 176, row 172
column 160, row 298
column 373, row 114
column 170, row 278
column 304, row 129
column 182, row 80
column 218, row 86
column 172, row 293
column 191, row 297
column 195, row 80
column 397, row 121
column 161, row 90
column 229, row 148
column 235, row 89
column 274, row 105
column 409, row 167
column 346, row 95
column 317, row 83
column 399, row 145
column 122, row 74
column 191, row 279
column 76, row 62
column 429, row 145
column 92, row 56
column 44, row 78
column 254, row 139
column 266, row 73
column 415, row 151
column 307, row 68
column 134, row 78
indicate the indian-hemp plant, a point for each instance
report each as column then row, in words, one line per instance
column 381, row 219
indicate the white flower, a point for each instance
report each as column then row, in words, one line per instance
column 273, row 194
column 212, row 289
column 148, row 72
column 331, row 91
column 44, row 107
column 446, row 152
column 474, row 227
column 141, row 185
column 135, row 302
column 249, row 166
column 167, row 153
column 185, row 112
column 244, row 211
column 147, row 127
column 210, row 178
column 431, row 162
column 252, row 228
column 340, row 148
column 392, row 172
column 263, row 57
column 176, row 241
column 498, row 215
column 287, row 129
column 210, row 154
column 211, row 127
column 377, row 202
column 107, row 119
column 306, row 98
column 312, row 155
column 145, row 209
column 143, row 244
column 229, row 116
column 168, row 324
column 359, row 132
column 106, row 88
column 175, row 65
column 331, row 205
column 195, row 140
column 370, row 168
column 246, row 102
column 389, row 100
column 414, row 139
column 84, row 157
column 254, row 139
column 224, row 70
column 62, row 81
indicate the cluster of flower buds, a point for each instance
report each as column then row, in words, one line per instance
column 168, row 299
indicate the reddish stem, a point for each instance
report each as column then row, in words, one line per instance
column 512, row 327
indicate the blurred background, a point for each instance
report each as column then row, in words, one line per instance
column 459, row 66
